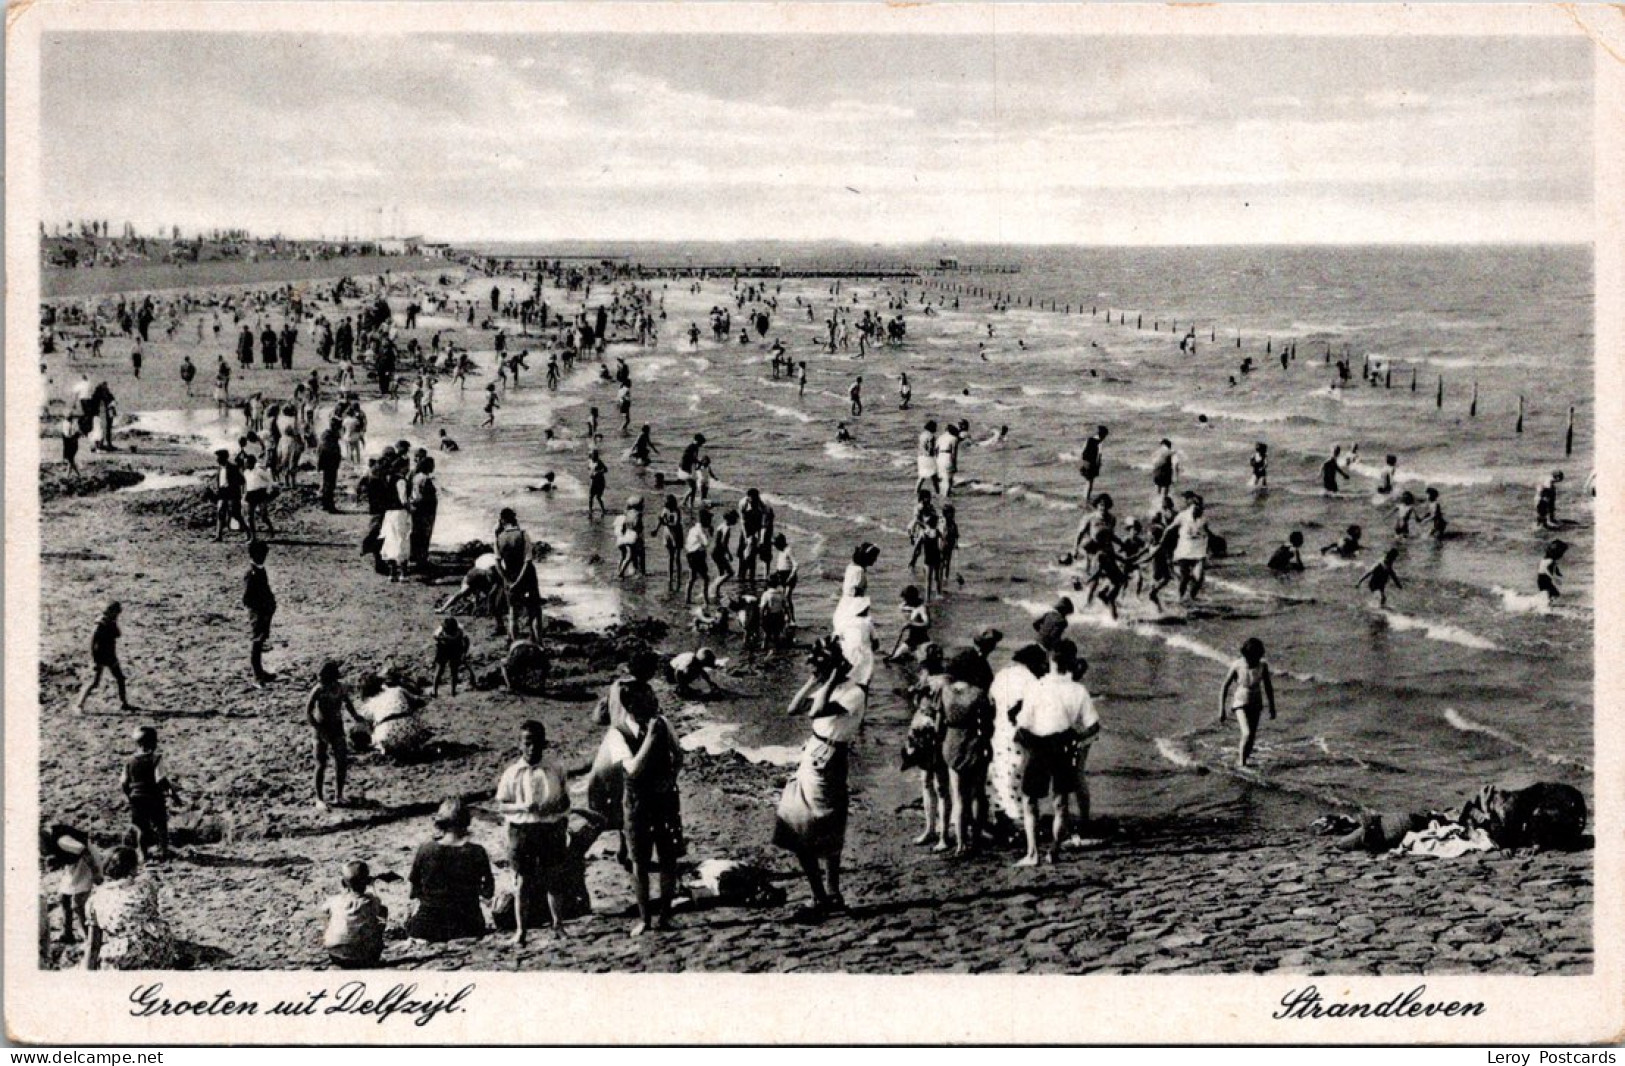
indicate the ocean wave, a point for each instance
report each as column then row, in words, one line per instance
column 1464, row 724
column 1443, row 632
column 783, row 412
column 841, row 451
column 1174, row 750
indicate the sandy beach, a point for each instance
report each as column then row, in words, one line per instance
column 1149, row 894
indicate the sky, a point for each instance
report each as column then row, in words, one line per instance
column 896, row 139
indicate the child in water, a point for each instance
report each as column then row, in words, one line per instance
column 1547, row 577
column 1288, row 558
column 1385, row 481
column 1260, row 463
column 1404, row 514
column 1379, row 577
column 1348, row 546
column 1247, row 690
column 916, row 631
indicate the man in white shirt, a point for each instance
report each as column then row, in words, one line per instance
column 531, row 794
column 1056, row 717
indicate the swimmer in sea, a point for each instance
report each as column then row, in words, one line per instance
column 548, row 484
column 597, row 478
column 1546, row 501
column 1348, row 546
column 1331, row 469
column 842, row 434
column 997, row 437
column 1548, row 576
column 1432, row 513
column 1288, row 558
column 905, row 392
column 1390, row 467
column 1089, row 461
column 1379, row 577
column 1247, row 690
column 1404, row 514
column 1260, row 463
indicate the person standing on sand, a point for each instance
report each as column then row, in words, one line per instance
column 855, row 395
column 811, row 818
column 329, row 457
column 70, row 442
column 324, row 710
column 1008, row 690
column 228, row 493
column 261, row 604
column 1247, row 690
column 697, row 550
column 532, row 797
column 424, row 506
column 650, row 803
column 517, row 568
column 104, row 657
column 1054, row 717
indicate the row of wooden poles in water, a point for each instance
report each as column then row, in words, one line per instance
column 1009, row 299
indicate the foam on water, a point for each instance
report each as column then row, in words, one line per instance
column 1461, row 722
column 1440, row 631
column 841, row 451
column 782, row 412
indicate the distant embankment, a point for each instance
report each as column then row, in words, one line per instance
column 56, row 283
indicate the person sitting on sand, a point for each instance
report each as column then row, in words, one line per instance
column 1247, row 690
column 450, row 876
column 1379, row 577
column 128, row 930
column 354, row 937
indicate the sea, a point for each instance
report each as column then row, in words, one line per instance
column 1467, row 678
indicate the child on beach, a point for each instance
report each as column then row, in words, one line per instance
column 916, row 631
column 324, row 710
column 1109, row 577
column 1548, row 575
column 670, row 524
column 1247, row 690
column 451, row 647
column 261, row 604
column 81, row 870
column 104, row 657
column 697, row 549
column 1379, row 577
column 354, row 937
column 446, row 443
column 147, row 787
